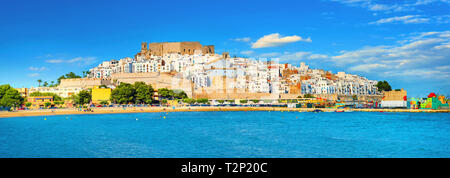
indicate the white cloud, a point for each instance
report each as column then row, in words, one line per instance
column 269, row 55
column 425, row 2
column 414, row 19
column 317, row 56
column 367, row 67
column 276, row 39
column 422, row 73
column 33, row 75
column 37, row 68
column 371, row 5
column 299, row 56
column 447, row 67
column 422, row 55
column 78, row 60
column 245, row 39
column 247, row 52
column 407, row 19
column 54, row 61
column 442, row 46
column 399, row 6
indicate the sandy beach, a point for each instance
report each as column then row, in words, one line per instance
column 70, row 111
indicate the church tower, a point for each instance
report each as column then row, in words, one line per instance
column 144, row 47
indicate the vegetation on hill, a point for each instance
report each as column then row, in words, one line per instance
column 67, row 76
column 383, row 86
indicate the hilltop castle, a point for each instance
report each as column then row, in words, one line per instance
column 160, row 49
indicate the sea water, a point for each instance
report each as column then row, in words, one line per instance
column 258, row 134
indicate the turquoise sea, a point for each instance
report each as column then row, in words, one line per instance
column 228, row 134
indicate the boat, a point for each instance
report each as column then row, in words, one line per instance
column 317, row 110
column 339, row 111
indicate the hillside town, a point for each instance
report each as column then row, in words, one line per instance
column 221, row 73
column 200, row 74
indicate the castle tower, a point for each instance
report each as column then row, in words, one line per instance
column 225, row 55
column 144, row 47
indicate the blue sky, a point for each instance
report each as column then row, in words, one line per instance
column 406, row 42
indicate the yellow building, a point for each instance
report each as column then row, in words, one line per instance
column 39, row 101
column 100, row 94
column 23, row 91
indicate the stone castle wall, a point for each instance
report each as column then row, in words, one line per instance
column 162, row 48
column 394, row 95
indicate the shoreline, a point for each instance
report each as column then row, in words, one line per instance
column 75, row 111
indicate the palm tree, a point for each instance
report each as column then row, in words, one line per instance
column 39, row 81
column 52, row 83
column 45, row 83
column 84, row 72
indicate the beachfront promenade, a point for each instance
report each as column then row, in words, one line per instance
column 112, row 110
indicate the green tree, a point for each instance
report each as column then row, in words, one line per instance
column 59, row 79
column 308, row 96
column 83, row 97
column 189, row 101
column 255, row 101
column 221, row 101
column 72, row 75
column 3, row 89
column 52, row 83
column 39, row 81
column 47, row 104
column 27, row 104
column 202, row 100
column 67, row 76
column 104, row 102
column 243, row 101
column 179, row 94
column 123, row 94
column 45, row 83
column 103, row 86
column 144, row 93
column 383, row 86
column 164, row 93
column 163, row 101
column 10, row 97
